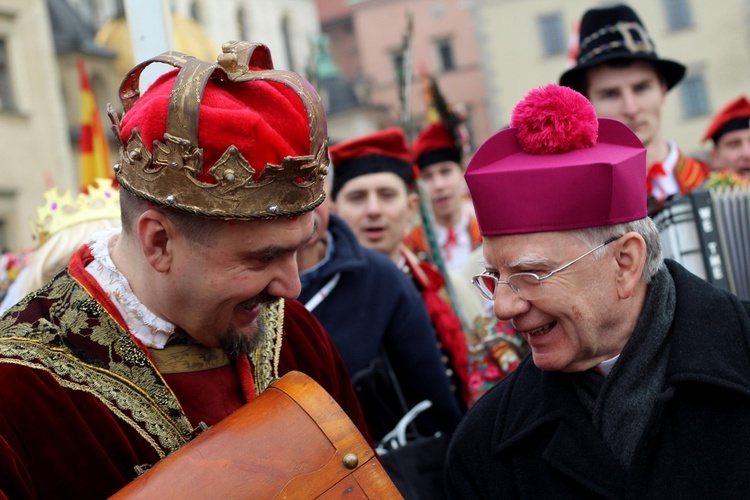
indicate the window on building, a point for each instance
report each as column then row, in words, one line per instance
column 7, row 101
column 445, row 54
column 678, row 13
column 694, row 98
column 552, row 31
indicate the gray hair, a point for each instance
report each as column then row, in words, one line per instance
column 646, row 227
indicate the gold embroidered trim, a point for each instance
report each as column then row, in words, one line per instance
column 124, row 376
column 189, row 358
column 79, row 387
column 116, row 394
column 266, row 357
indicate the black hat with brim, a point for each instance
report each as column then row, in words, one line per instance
column 616, row 33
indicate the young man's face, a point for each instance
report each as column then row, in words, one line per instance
column 732, row 152
column 445, row 186
column 378, row 208
column 215, row 293
column 633, row 95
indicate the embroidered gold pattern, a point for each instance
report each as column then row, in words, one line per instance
column 86, row 350
column 265, row 359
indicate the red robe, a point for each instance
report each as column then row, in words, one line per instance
column 451, row 338
column 81, row 402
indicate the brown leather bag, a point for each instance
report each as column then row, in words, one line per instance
column 292, row 441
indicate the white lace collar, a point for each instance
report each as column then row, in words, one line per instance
column 143, row 324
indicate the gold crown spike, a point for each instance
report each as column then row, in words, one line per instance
column 169, row 175
column 61, row 211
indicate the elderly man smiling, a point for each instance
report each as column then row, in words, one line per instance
column 639, row 381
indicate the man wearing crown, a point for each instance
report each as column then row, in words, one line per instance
column 638, row 383
column 618, row 70
column 188, row 312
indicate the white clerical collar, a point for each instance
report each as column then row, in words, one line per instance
column 606, row 366
column 144, row 325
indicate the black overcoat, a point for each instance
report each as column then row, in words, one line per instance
column 530, row 437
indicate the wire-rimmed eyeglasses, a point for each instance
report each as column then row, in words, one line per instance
column 525, row 284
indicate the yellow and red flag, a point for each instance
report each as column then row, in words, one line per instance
column 95, row 160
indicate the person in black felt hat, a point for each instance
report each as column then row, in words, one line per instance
column 618, row 70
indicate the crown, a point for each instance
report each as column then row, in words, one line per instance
column 61, row 211
column 172, row 173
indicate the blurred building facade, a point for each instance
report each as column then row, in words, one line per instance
column 524, row 44
column 367, row 41
column 36, row 152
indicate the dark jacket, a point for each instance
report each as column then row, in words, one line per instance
column 374, row 304
column 530, row 437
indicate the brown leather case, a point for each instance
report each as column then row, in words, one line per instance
column 292, row 441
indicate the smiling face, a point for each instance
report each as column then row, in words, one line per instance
column 215, row 292
column 378, row 208
column 579, row 320
column 632, row 94
column 445, row 186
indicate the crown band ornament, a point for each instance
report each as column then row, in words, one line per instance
column 61, row 211
column 169, row 175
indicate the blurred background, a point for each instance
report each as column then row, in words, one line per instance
column 370, row 59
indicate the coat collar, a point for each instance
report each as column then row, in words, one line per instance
column 548, row 407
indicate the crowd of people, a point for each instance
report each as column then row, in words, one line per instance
column 240, row 245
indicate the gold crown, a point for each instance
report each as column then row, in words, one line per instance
column 170, row 174
column 62, row 210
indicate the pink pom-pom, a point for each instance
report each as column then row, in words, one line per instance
column 555, row 119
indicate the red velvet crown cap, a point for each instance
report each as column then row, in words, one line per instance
column 738, row 108
column 265, row 120
column 382, row 151
column 574, row 179
column 435, row 144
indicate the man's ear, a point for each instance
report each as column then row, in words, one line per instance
column 630, row 256
column 156, row 232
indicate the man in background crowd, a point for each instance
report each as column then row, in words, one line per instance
column 729, row 131
column 374, row 194
column 438, row 157
column 618, row 70
column 372, row 312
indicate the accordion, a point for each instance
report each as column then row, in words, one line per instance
column 708, row 232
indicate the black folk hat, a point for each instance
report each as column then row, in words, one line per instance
column 616, row 33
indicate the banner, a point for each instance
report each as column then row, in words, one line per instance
column 95, row 161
